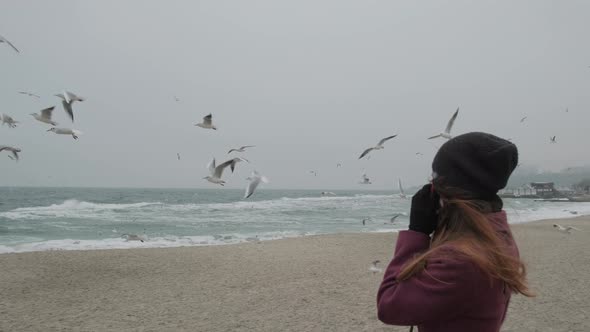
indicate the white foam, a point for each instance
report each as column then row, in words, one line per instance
column 70, row 208
column 166, row 241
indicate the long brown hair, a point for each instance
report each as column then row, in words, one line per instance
column 462, row 222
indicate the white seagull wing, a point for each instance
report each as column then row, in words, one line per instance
column 452, row 122
column 381, row 142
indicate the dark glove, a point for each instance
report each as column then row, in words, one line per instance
column 423, row 214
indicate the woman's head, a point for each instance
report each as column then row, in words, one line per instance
column 474, row 165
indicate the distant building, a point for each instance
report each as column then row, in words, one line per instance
column 545, row 189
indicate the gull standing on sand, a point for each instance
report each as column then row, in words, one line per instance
column 9, row 121
column 402, row 194
column 241, row 149
column 14, row 151
column 4, row 40
column 255, row 180
column 207, row 122
column 565, row 229
column 217, row 171
column 447, row 133
column 373, row 268
column 29, row 94
column 68, row 99
column 45, row 116
column 66, row 131
column 379, row 146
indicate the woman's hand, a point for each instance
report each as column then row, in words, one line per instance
column 423, row 214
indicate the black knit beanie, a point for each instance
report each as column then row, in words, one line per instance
column 477, row 163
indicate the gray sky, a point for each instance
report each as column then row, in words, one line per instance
column 311, row 83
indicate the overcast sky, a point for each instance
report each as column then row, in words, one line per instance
column 310, row 83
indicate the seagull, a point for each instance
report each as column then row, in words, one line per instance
column 419, row 154
column 365, row 179
column 66, row 131
column 338, row 165
column 133, row 237
column 217, row 171
column 241, row 149
column 552, row 140
column 567, row 110
column 314, row 173
column 176, row 98
column 402, row 194
column 178, row 155
column 29, row 94
column 565, row 229
column 365, row 220
column 522, row 120
column 45, row 116
column 4, row 40
column 373, row 268
column 207, row 123
column 255, row 180
column 9, row 121
column 447, row 133
column 14, row 151
column 326, row 193
column 392, row 219
column 68, row 99
column 379, row 146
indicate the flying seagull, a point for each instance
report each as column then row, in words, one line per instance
column 14, row 151
column 552, row 139
column 326, row 193
column 45, row 116
column 522, row 120
column 447, row 133
column 373, row 268
column 402, row 194
column 241, row 149
column 9, row 121
column 419, row 154
column 176, row 98
column 29, row 94
column 4, row 40
column 314, row 173
column 565, row 229
column 217, row 171
column 207, row 123
column 338, row 165
column 178, row 155
column 379, row 146
column 392, row 219
column 68, row 99
column 66, row 131
column 133, row 237
column 365, row 179
column 255, row 180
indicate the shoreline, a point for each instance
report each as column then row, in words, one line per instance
column 132, row 245
column 313, row 283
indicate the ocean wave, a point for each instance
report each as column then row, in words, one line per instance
column 166, row 241
column 70, row 208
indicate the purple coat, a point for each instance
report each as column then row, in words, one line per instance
column 450, row 294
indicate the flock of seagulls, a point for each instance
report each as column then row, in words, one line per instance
column 216, row 171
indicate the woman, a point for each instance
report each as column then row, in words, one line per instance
column 461, row 279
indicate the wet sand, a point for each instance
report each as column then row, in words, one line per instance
column 318, row 283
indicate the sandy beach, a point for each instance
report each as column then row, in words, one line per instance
column 318, row 283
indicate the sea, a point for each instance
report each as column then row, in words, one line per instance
column 40, row 219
